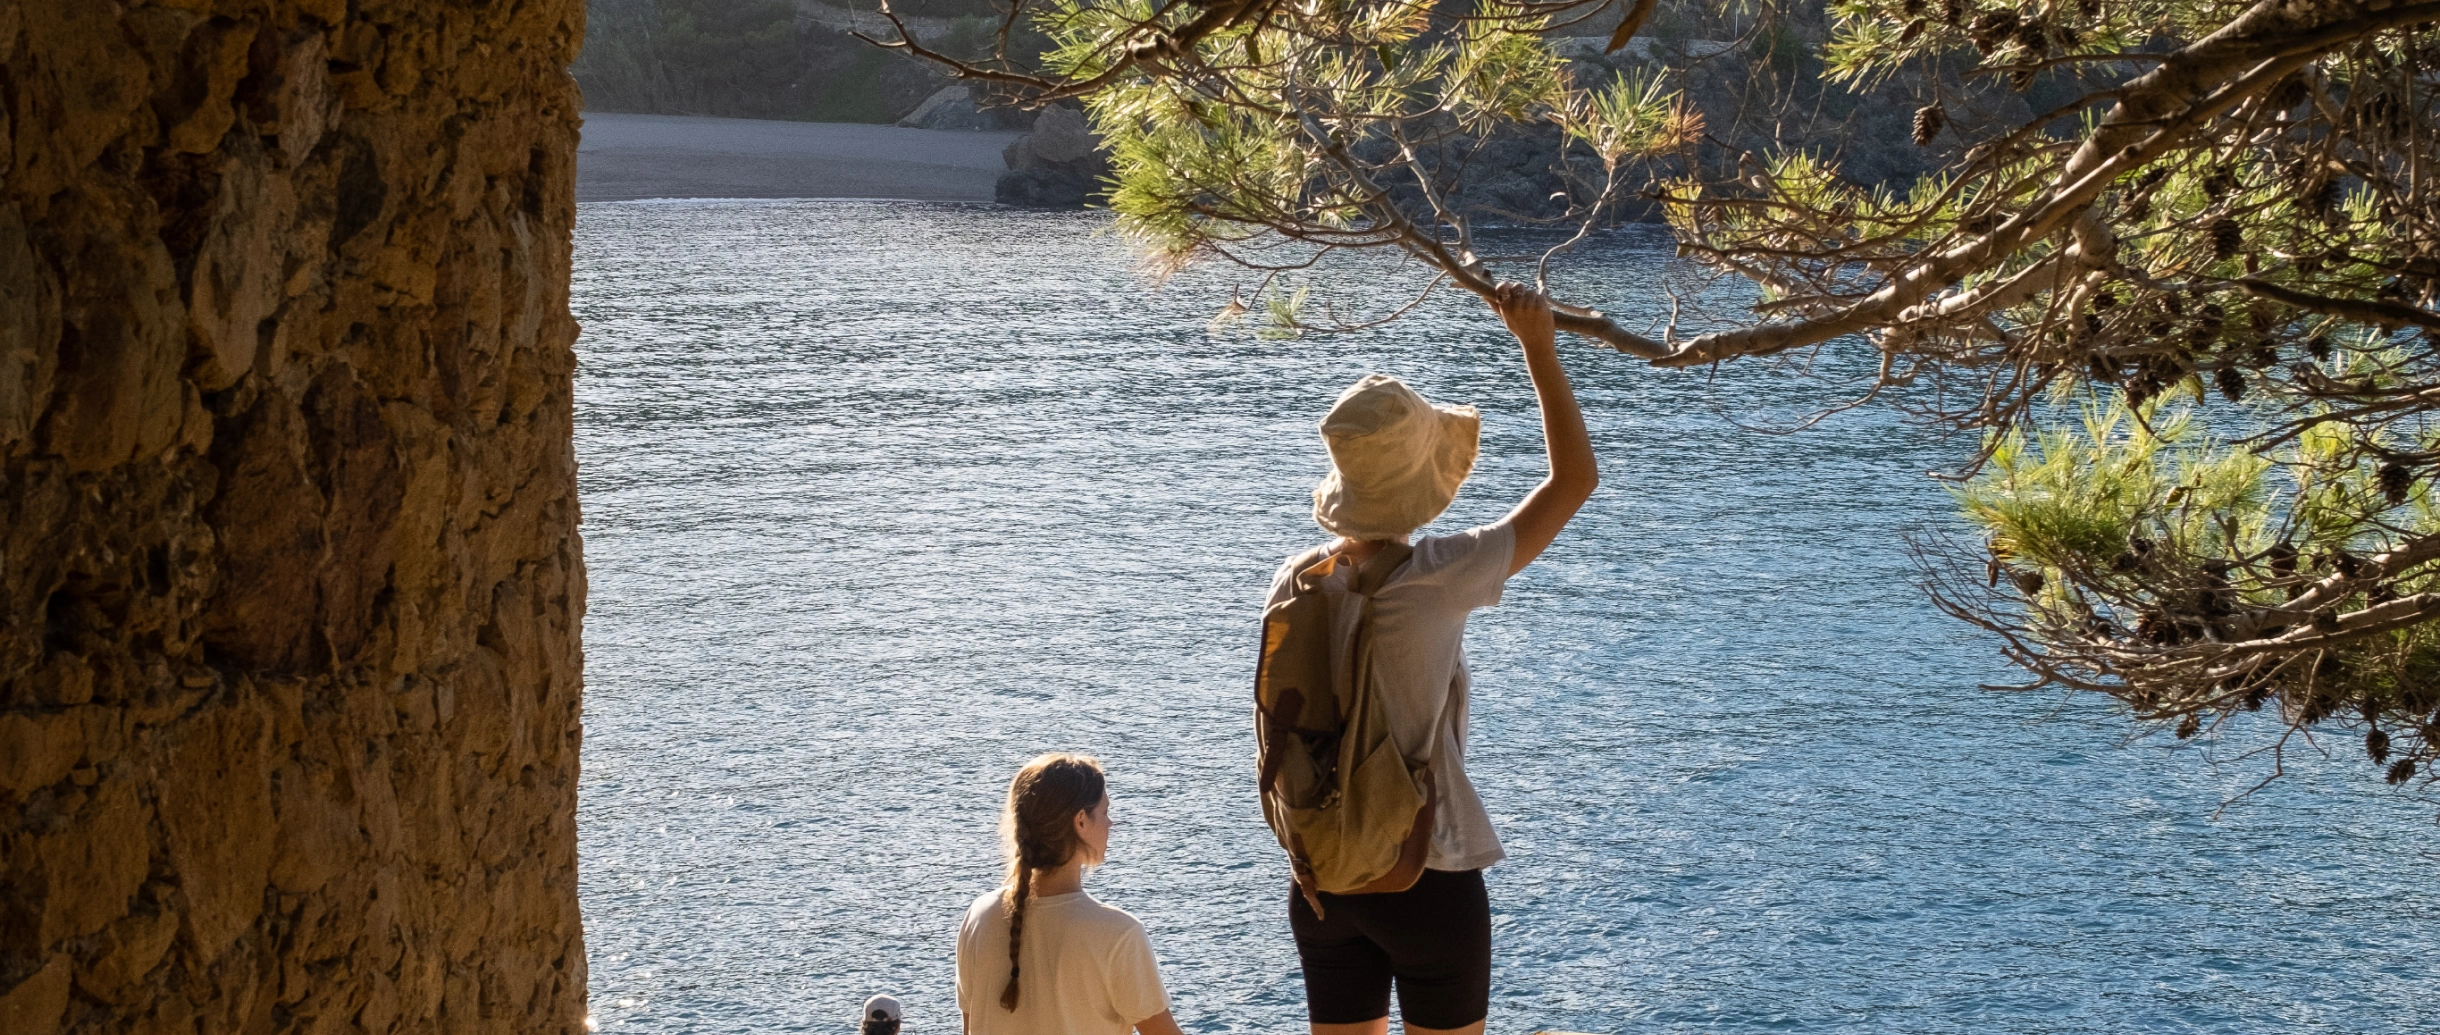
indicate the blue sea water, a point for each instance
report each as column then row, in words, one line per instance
column 881, row 500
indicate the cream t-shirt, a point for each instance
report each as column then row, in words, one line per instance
column 1089, row 969
column 1419, row 656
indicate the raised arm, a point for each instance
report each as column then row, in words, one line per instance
column 1573, row 473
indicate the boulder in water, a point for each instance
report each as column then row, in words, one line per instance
column 1058, row 165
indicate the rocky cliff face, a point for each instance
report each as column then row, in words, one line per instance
column 289, row 574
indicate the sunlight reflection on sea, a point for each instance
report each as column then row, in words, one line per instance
column 882, row 499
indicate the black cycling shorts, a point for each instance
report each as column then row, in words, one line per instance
column 1433, row 941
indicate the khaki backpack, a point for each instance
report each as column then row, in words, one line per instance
column 1352, row 811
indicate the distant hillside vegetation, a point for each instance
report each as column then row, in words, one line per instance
column 1753, row 72
column 764, row 59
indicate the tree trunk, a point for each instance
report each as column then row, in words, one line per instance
column 289, row 573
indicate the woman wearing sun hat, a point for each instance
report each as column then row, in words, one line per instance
column 1396, row 463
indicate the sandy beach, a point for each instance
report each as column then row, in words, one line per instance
column 626, row 157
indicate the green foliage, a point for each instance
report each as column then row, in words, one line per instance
column 1781, row 48
column 1307, row 148
column 1630, row 118
column 982, row 10
column 2177, row 199
column 2065, row 495
column 970, row 36
column 856, row 93
column 2061, row 495
column 2131, row 531
column 742, row 35
column 688, row 55
column 1877, row 38
column 745, row 58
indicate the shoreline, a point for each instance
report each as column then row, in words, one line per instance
column 630, row 157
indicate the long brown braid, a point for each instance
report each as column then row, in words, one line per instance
column 1038, row 832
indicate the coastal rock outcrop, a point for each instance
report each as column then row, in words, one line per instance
column 1060, row 164
column 951, row 107
column 289, row 572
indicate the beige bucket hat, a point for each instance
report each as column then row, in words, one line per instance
column 1396, row 459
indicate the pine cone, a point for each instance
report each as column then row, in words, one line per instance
column 1928, row 121
column 2376, row 746
column 2232, row 384
column 2401, row 771
column 2396, row 481
column 2322, row 200
column 2029, row 35
column 2156, row 628
column 2226, row 237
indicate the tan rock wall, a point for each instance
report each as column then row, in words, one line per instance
column 289, row 574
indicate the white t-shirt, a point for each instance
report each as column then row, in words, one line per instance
column 1089, row 969
column 1419, row 656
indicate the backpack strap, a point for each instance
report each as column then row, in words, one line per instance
column 1311, row 564
column 1376, row 572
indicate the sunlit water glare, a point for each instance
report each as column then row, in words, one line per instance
column 881, row 500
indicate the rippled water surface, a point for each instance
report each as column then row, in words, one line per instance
column 881, row 500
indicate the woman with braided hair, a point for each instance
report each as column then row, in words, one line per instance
column 1038, row 956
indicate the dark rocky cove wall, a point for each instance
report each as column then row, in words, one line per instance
column 289, row 573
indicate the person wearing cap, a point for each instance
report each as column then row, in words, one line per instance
column 1396, row 463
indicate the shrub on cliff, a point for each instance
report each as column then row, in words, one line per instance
column 2210, row 224
column 744, row 59
column 686, row 55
